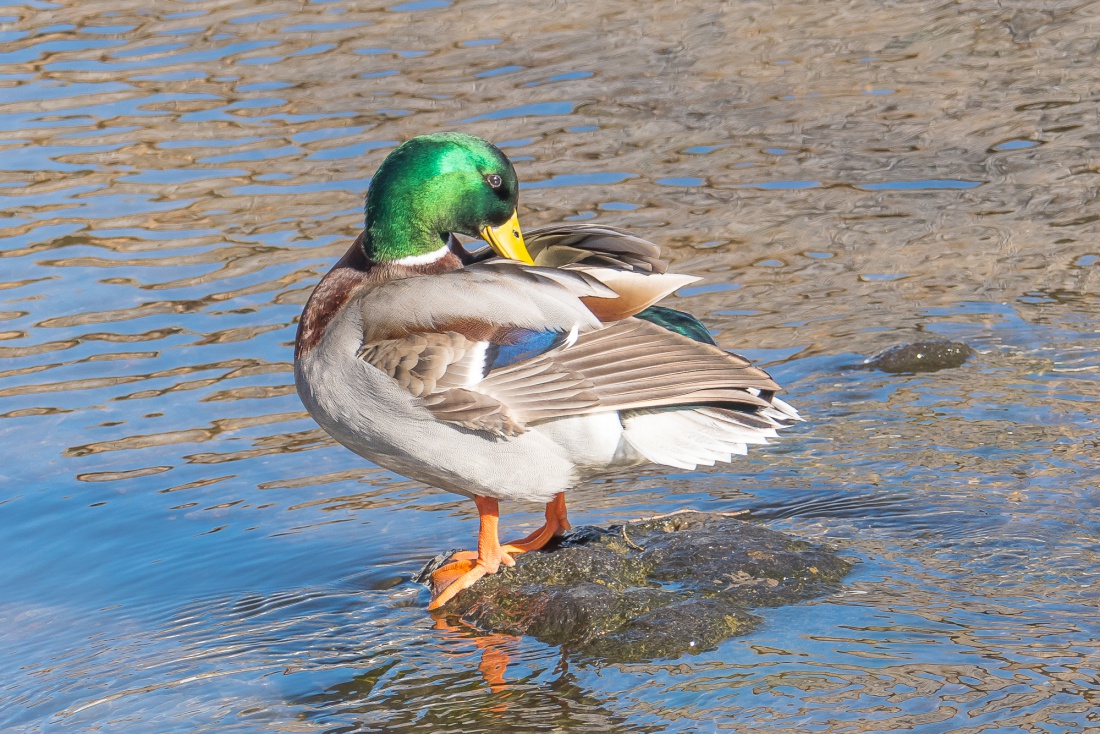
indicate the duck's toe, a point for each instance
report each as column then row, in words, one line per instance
column 448, row 580
column 465, row 568
column 506, row 553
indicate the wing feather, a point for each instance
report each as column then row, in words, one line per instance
column 483, row 296
column 436, row 347
column 628, row 365
column 561, row 245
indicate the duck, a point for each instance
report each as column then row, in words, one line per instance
column 515, row 372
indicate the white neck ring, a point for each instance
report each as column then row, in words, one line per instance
column 426, row 259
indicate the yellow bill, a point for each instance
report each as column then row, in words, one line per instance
column 507, row 241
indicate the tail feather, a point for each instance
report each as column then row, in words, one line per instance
column 689, row 437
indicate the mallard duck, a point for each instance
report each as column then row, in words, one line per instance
column 519, row 372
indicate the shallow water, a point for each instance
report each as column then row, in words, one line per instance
column 185, row 551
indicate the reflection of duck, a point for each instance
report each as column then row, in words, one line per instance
column 507, row 377
column 493, row 647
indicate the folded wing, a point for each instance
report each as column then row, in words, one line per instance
column 501, row 347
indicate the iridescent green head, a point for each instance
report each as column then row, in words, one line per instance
column 433, row 185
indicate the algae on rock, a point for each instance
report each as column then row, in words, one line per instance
column 651, row 589
column 929, row 356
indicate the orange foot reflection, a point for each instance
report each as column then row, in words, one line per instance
column 493, row 647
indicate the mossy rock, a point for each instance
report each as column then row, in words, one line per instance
column 650, row 589
column 920, row 357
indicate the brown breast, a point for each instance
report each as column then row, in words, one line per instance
column 349, row 277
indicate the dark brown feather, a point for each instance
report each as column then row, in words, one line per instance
column 587, row 244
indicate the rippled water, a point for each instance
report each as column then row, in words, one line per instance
column 185, row 551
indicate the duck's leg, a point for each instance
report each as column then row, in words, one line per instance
column 557, row 522
column 461, row 574
column 466, row 567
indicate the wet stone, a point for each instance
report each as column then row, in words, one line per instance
column 920, row 357
column 649, row 590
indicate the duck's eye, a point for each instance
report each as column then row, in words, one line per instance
column 494, row 180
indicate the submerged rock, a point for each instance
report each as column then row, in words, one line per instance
column 920, row 357
column 651, row 589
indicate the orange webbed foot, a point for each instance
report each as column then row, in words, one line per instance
column 459, row 580
column 506, row 553
column 445, row 575
column 467, row 567
column 461, row 573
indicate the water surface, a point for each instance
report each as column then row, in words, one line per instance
column 185, row 551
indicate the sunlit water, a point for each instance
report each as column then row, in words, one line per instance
column 183, row 550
